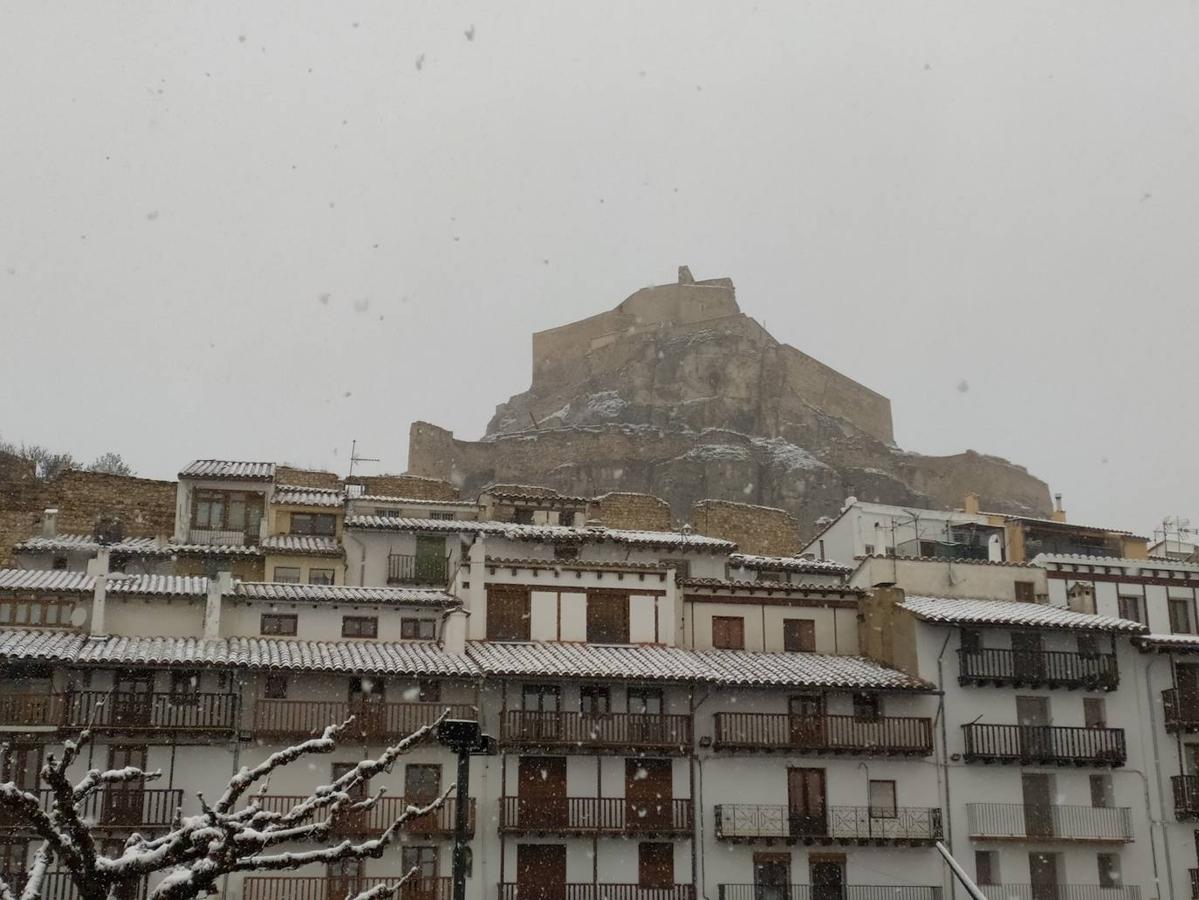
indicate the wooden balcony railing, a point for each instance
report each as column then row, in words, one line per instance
column 885, row 736
column 297, row 887
column 1186, row 796
column 908, row 826
column 1182, row 710
column 1016, row 821
column 827, row 892
column 300, row 718
column 405, row 569
column 1044, row 745
column 379, row 817
column 129, row 712
column 37, row 612
column 30, row 709
column 1061, row 892
column 1045, row 668
column 658, row 733
column 117, row 808
column 595, row 816
column 59, row 886
column 588, row 891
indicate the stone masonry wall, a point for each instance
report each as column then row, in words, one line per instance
column 414, row 486
column 313, row 478
column 755, row 529
column 620, row 509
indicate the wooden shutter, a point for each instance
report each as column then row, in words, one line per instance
column 655, row 866
column 728, row 632
column 607, row 617
column 507, row 613
column 799, row 635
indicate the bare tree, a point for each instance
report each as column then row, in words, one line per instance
column 47, row 463
column 111, row 463
column 221, row 839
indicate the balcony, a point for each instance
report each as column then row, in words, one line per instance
column 1044, row 745
column 294, row 887
column 1046, row 668
column 112, row 809
column 831, row 892
column 372, row 720
column 221, row 537
column 1182, row 711
column 38, row 612
column 1194, row 883
column 104, row 711
column 885, row 736
column 59, row 886
column 1060, row 892
column 439, row 823
column 617, row 732
column 30, row 710
column 909, row 826
column 404, row 569
column 588, row 891
column 1186, row 796
column 1018, row 822
column 595, row 816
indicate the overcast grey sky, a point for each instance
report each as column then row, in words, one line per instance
column 260, row 230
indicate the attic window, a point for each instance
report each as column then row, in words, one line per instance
column 566, row 551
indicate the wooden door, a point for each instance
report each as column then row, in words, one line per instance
column 541, row 706
column 807, row 803
column 540, row 872
column 124, row 801
column 1032, row 714
column 649, row 794
column 808, row 725
column 422, row 785
column 1038, row 805
column 1187, row 676
column 23, row 767
column 655, row 866
column 1042, row 872
column 351, row 821
column 431, row 560
column 1028, row 657
column 772, row 876
column 541, row 792
column 827, row 878
column 132, row 700
column 368, row 706
column 343, row 879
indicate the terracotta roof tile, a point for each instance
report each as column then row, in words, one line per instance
column 225, row 468
column 952, row 611
column 304, row 544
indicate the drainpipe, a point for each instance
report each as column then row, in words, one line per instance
column 1160, row 792
column 697, row 807
column 953, row 891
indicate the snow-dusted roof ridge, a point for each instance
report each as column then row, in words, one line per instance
column 962, row 611
column 229, row 468
column 787, row 563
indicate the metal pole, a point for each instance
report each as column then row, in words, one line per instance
column 462, row 823
column 960, row 874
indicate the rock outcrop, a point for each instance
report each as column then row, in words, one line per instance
column 677, row 393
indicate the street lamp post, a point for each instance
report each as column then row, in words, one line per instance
column 465, row 738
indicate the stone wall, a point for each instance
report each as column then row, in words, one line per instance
column 623, row 509
column 410, row 485
column 754, row 529
column 313, row 478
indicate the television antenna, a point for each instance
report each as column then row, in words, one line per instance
column 355, row 458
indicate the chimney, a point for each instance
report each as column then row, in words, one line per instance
column 49, row 523
column 453, row 631
column 217, row 588
column 970, row 504
column 98, row 568
column 1059, row 514
column 685, row 276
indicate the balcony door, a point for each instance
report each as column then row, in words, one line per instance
column 343, row 879
column 431, row 559
column 1032, row 713
column 828, row 877
column 351, row 821
column 132, row 698
column 541, row 792
column 1028, row 655
column 123, row 801
column 541, row 705
column 1187, row 676
column 806, row 720
column 1042, row 875
column 368, row 706
column 807, row 803
column 649, row 794
column 1038, row 805
column 540, row 871
column 772, row 876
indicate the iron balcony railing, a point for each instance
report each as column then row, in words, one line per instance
column 658, row 733
column 108, row 711
column 294, row 887
column 835, row 824
column 380, row 816
column 884, row 736
column 1044, row 745
column 595, row 816
column 405, row 569
column 590, row 891
column 827, row 892
column 1182, row 710
column 1063, row 823
column 1186, row 796
column 1047, row 668
column 1061, row 892
column 116, row 807
column 372, row 719
column 1194, row 883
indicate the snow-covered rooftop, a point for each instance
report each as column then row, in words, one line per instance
column 1133, row 565
column 731, row 584
column 954, row 611
column 118, row 583
column 295, row 495
column 788, row 564
column 86, row 543
column 305, row 544
column 227, row 468
column 341, row 593
column 1169, row 643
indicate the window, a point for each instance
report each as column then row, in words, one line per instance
column 645, row 701
column 387, row 513
column 1094, row 712
column 986, row 867
column 1131, row 608
column 1180, row 615
column 437, row 514
column 566, row 551
column 607, row 618
column 227, row 511
column 314, row 523
column 276, row 687
column 23, row 767
column 1026, row 591
column 287, row 574
column 38, row 612
column 869, row 549
column 1102, row 796
column 320, row 576
column 799, row 635
column 728, row 632
column 540, row 698
column 421, row 858
column 655, row 866
column 867, row 707
column 428, row 691
column 360, row 626
column 277, row 624
column 60, row 563
column 882, row 800
column 594, row 700
column 13, row 854
column 523, row 515
column 971, row 641
column 507, row 613
column 185, row 688
column 418, row 629
column 1109, row 870
column 1088, row 646
column 682, row 567
column 422, row 783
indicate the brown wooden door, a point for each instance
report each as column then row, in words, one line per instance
column 807, row 803
column 1038, row 805
column 1187, row 676
column 540, row 872
column 1028, row 660
column 343, row 879
column 541, row 792
column 1042, row 872
column 132, row 700
column 828, row 879
column 649, row 794
column 123, row 802
column 807, row 722
column 1036, row 741
column 351, row 821
column 772, row 876
column 368, row 706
